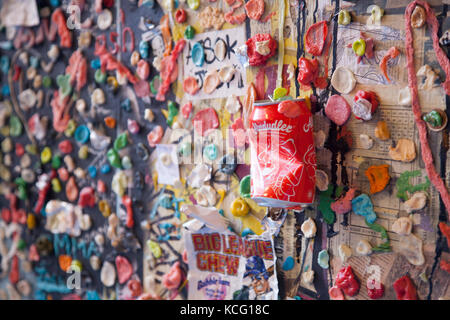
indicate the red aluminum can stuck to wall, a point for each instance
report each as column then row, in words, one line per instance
column 283, row 157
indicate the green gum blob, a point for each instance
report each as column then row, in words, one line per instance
column 121, row 141
column 359, row 47
column 279, row 93
column 56, row 162
column 56, row 185
column 244, row 187
column 154, row 248
column 65, row 88
column 71, row 127
column 344, row 17
column 404, row 186
column 173, row 111
column 15, row 126
column 325, row 200
column 432, row 117
column 114, row 158
column 189, row 33
column 100, row 77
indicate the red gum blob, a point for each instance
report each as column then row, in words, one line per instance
column 412, row 82
column 369, row 96
column 20, row 150
column 405, row 289
column 239, row 132
column 135, row 287
column 101, row 186
column 186, row 110
column 315, row 38
column 126, row 200
column 254, row 9
column 375, row 290
column 33, row 254
column 205, row 120
column 142, row 88
column 65, row 146
column 445, row 265
column 63, row 174
column 87, row 197
column 190, row 85
column 143, row 69
column 445, row 229
column 344, row 204
column 14, row 273
column 346, row 280
column 17, row 215
column 307, row 71
column 336, row 293
column 41, row 198
column 6, row 215
column 16, row 74
column 289, row 109
column 155, row 136
column 172, row 279
column 237, row 19
column 254, row 58
column 124, row 269
column 338, row 110
column 71, row 190
column 180, row 15
column 184, row 256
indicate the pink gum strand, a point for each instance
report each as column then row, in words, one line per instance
column 412, row 81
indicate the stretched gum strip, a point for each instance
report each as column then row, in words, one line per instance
column 77, row 69
column 113, row 37
column 64, row 33
column 237, row 19
column 129, row 31
column 60, row 110
column 165, row 31
column 165, row 85
column 109, row 62
column 412, row 81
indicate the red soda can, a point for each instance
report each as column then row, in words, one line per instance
column 283, row 156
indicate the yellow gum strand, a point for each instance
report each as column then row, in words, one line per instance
column 165, row 113
column 155, row 180
column 222, row 193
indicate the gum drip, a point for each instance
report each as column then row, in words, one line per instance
column 412, row 81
